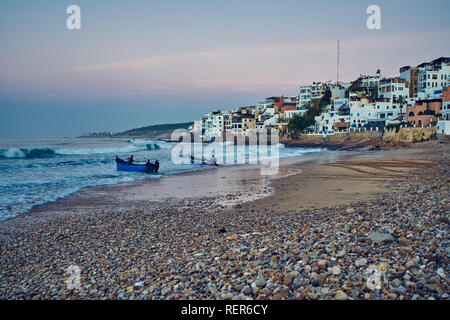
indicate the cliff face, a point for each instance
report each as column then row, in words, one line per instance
column 410, row 135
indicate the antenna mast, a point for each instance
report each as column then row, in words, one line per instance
column 337, row 65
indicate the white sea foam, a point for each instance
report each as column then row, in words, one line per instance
column 36, row 172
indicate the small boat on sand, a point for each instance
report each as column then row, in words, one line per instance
column 204, row 162
column 147, row 167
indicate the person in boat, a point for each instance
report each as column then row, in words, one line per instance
column 156, row 166
column 130, row 159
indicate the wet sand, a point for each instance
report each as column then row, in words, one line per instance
column 308, row 181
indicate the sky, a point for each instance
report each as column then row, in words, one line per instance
column 135, row 63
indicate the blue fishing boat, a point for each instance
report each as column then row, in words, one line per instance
column 147, row 167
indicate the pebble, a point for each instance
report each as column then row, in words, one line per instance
column 234, row 237
column 261, row 282
column 158, row 252
column 361, row 262
column 322, row 264
column 441, row 273
column 380, row 238
column 340, row 295
column 336, row 270
column 396, row 283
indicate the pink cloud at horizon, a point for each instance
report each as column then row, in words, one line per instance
column 252, row 69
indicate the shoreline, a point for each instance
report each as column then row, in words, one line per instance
column 123, row 195
column 392, row 214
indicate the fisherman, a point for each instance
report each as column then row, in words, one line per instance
column 156, row 166
column 130, row 159
column 150, row 166
column 213, row 161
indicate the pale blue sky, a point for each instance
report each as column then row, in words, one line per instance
column 135, row 63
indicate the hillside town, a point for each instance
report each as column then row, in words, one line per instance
column 417, row 97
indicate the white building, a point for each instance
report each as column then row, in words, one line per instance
column 313, row 91
column 443, row 127
column 362, row 114
column 288, row 114
column 264, row 105
column 446, row 104
column 344, row 115
column 444, row 124
column 304, row 96
column 335, row 118
column 393, row 88
column 337, row 92
column 332, row 121
column 213, row 123
column 433, row 77
column 369, row 82
column 198, row 126
column 272, row 121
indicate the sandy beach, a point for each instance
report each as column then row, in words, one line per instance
column 309, row 232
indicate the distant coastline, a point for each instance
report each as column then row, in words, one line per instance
column 158, row 131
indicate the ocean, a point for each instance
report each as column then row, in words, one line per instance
column 37, row 171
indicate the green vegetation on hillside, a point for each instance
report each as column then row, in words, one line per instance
column 298, row 124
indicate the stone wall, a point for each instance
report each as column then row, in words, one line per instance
column 409, row 135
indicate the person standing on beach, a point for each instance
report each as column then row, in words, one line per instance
column 213, row 161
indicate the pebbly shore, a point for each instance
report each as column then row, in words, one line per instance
column 198, row 249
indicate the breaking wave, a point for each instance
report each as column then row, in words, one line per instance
column 34, row 153
column 151, row 144
column 16, row 153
